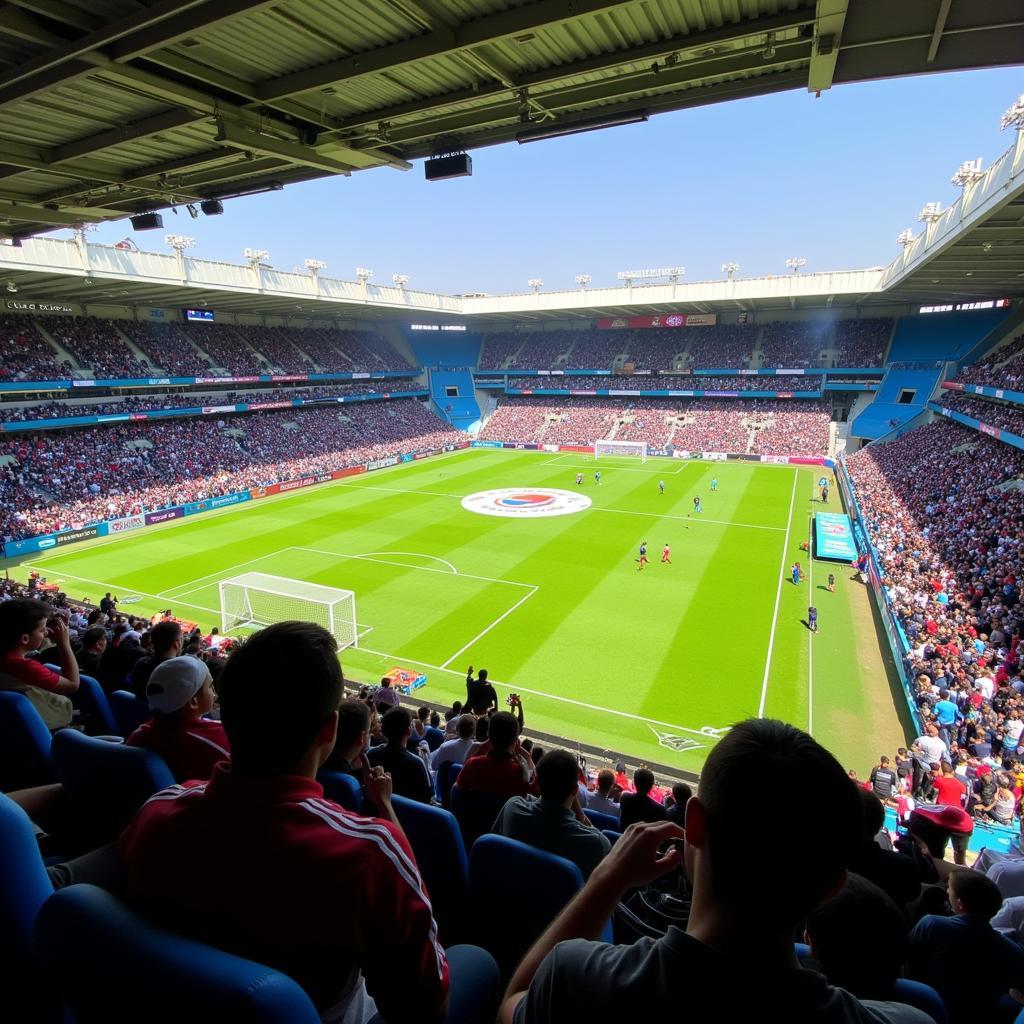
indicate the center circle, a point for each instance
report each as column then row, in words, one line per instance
column 525, row 502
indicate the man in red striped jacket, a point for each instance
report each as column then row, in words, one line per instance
column 258, row 863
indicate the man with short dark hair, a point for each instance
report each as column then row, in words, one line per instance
column 25, row 626
column 94, row 643
column 503, row 768
column 883, row 780
column 480, row 695
column 554, row 821
column 681, row 794
column 456, row 750
column 639, row 806
column 349, row 754
column 895, row 874
column 408, row 772
column 736, row 959
column 601, row 800
column 298, row 883
column 167, row 640
column 385, row 697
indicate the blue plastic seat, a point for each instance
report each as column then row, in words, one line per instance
column 91, row 702
column 24, row 744
column 129, row 711
column 107, row 782
column 475, row 812
column 921, row 997
column 602, row 821
column 445, row 779
column 612, row 835
column 115, row 967
column 342, row 788
column 436, row 841
column 434, row 737
column 534, row 887
column 24, row 887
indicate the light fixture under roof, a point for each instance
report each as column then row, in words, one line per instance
column 590, row 124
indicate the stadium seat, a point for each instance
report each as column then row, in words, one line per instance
column 117, row 967
column 445, row 779
column 342, row 788
column 107, row 781
column 24, row 887
column 602, row 821
column 534, row 888
column 24, row 744
column 129, row 711
column 613, row 835
column 434, row 738
column 91, row 702
column 475, row 812
column 437, row 843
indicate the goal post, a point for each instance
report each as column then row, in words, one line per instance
column 622, row 449
column 259, row 599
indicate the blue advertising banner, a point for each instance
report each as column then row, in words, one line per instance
column 833, row 537
column 485, row 444
column 194, row 507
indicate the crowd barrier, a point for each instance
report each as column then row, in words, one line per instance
column 649, row 393
column 985, row 428
column 873, row 371
column 14, row 548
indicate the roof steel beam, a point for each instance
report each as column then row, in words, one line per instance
column 828, row 28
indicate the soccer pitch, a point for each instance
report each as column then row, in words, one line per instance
column 652, row 664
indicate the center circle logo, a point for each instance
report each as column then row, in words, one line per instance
column 525, row 502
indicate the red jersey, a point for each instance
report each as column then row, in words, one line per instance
column 192, row 748
column 270, row 870
column 502, row 776
column 950, row 791
column 29, row 672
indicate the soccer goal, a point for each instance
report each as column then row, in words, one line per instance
column 626, row 449
column 258, row 599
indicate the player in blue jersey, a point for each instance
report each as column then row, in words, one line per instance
column 597, row 476
column 697, row 506
column 642, row 560
column 714, row 483
column 812, row 619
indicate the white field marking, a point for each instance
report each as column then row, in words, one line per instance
column 240, row 507
column 190, row 587
column 125, row 589
column 810, row 634
column 693, row 518
column 778, row 598
column 419, row 568
column 487, row 630
column 516, row 688
column 413, row 554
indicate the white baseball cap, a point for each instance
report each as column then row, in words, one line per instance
column 175, row 682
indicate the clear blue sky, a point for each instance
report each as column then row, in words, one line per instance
column 833, row 179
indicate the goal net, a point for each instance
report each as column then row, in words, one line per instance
column 627, row 449
column 258, row 599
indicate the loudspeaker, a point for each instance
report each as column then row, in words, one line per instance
column 459, row 165
column 211, row 207
column 147, row 222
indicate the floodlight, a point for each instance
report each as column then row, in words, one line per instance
column 905, row 237
column 930, row 213
column 590, row 124
column 363, row 275
column 315, row 266
column 400, row 279
column 179, row 242
column 256, row 255
column 794, row 263
column 730, row 268
column 535, row 283
column 583, row 280
column 1014, row 116
column 968, row 173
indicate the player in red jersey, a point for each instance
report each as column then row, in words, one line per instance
column 666, row 555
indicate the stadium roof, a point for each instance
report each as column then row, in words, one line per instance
column 112, row 107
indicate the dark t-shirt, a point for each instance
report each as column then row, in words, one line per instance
column 480, row 695
column 141, row 671
column 896, row 875
column 678, row 977
column 638, row 807
column 883, row 782
column 408, row 772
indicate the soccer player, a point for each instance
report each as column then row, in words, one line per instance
column 666, row 555
column 642, row 560
column 812, row 619
column 824, row 495
column 597, row 477
column 661, row 486
column 579, row 479
column 696, row 505
column 796, row 573
column 831, row 583
column 714, row 483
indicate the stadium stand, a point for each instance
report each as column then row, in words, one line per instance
column 1003, row 367
column 995, row 414
column 25, row 354
column 674, row 383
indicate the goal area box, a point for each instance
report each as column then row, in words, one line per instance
column 257, row 599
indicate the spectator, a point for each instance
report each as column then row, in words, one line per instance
column 950, row 791
column 962, row 957
column 166, row 637
column 25, row 625
column 681, row 794
column 480, row 695
column 407, row 770
column 456, row 750
column 120, row 658
column 602, row 800
column 385, row 697
column 554, row 821
column 265, row 820
column 349, row 754
column 883, row 780
column 740, row 926
column 928, row 750
column 94, row 643
column 639, row 806
column 180, row 692
column 504, row 768
column 895, row 874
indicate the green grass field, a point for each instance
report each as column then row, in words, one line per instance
column 649, row 664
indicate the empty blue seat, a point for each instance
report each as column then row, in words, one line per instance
column 921, row 997
column 114, row 966
column 434, row 737
column 342, row 788
column 91, row 703
column 106, row 781
column 445, row 779
column 475, row 812
column 534, row 886
column 24, row 887
column 602, row 821
column 24, row 744
column 434, row 836
column 129, row 711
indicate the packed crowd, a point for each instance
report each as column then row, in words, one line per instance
column 674, row 382
column 11, row 413
column 706, row 424
column 996, row 414
column 861, row 342
column 1001, row 368
column 723, row 345
column 99, row 346
column 56, row 480
column 795, row 343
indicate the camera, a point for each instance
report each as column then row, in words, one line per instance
column 512, row 700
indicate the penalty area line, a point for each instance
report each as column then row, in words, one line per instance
column 526, row 597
